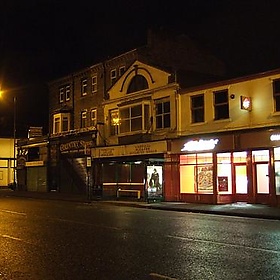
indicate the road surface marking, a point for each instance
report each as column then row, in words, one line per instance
column 224, row 244
column 156, row 276
column 11, row 237
column 16, row 239
column 13, row 212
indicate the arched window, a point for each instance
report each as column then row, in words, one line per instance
column 137, row 83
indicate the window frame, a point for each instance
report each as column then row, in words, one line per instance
column 162, row 115
column 114, row 125
column 93, row 119
column 83, row 123
column 219, row 112
column 67, row 92
column 61, row 95
column 132, row 120
column 121, row 70
column 276, row 94
column 59, row 122
column 113, row 76
column 198, row 111
column 94, row 84
column 84, row 86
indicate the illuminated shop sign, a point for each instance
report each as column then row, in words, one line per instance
column 246, row 103
column 200, row 145
column 275, row 137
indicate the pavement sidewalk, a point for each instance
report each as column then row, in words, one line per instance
column 235, row 209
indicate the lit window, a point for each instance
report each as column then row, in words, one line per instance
column 114, row 122
column 84, row 87
column 162, row 113
column 221, row 104
column 197, row 108
column 93, row 84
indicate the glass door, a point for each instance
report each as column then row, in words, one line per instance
column 241, row 180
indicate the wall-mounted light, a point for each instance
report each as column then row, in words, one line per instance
column 246, row 103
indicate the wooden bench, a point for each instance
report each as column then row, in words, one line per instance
column 120, row 191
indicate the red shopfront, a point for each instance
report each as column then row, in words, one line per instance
column 240, row 167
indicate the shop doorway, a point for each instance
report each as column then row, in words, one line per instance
column 240, row 186
column 260, row 159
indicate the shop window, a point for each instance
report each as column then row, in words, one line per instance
column 240, row 157
column 162, row 113
column 221, row 105
column 224, row 171
column 109, row 173
column 277, row 169
column 276, row 95
column 33, row 154
column 260, row 156
column 137, row 83
column 197, row 108
column 196, row 176
column 135, row 118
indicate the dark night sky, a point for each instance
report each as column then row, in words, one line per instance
column 41, row 40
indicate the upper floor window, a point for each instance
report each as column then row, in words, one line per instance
column 61, row 94
column 67, row 93
column 114, row 122
column 113, row 76
column 61, row 123
column 93, row 117
column 163, row 113
column 197, row 108
column 94, row 84
column 135, row 118
column 276, row 95
column 137, row 83
column 83, row 119
column 84, row 87
column 121, row 70
column 221, row 105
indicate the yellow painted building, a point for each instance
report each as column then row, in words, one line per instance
column 229, row 145
column 6, row 161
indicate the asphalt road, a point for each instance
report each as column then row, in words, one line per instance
column 42, row 239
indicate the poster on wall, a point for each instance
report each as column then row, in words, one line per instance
column 154, row 182
column 223, row 183
column 204, row 176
